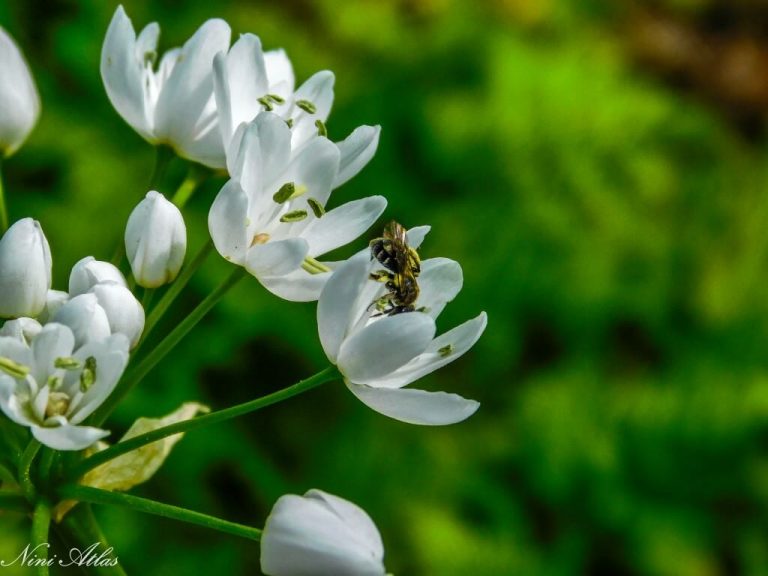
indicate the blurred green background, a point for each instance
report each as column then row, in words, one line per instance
column 600, row 171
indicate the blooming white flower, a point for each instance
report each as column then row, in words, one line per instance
column 270, row 217
column 155, row 241
column 25, row 270
column 380, row 354
column 19, row 100
column 88, row 272
column 51, row 387
column 248, row 81
column 173, row 104
column 320, row 534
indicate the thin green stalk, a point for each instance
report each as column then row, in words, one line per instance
column 3, row 207
column 97, row 496
column 146, row 298
column 135, row 375
column 163, row 157
column 330, row 373
column 80, row 530
column 13, row 501
column 25, row 469
column 6, row 476
column 173, row 291
column 195, row 176
column 41, row 523
column 47, row 456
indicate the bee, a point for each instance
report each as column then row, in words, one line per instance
column 402, row 266
column 392, row 251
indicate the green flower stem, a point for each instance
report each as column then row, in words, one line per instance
column 41, row 523
column 13, row 501
column 47, row 457
column 146, row 298
column 327, row 375
column 173, row 291
column 98, row 496
column 135, row 375
column 25, row 469
column 3, row 208
column 163, row 157
column 80, row 530
column 195, row 176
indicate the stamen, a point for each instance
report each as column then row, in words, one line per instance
column 317, row 208
column 445, row 350
column 267, row 103
column 88, row 375
column 289, row 122
column 288, row 191
column 307, row 106
column 295, row 216
column 54, row 382
column 276, row 99
column 261, row 238
column 313, row 266
column 13, row 368
column 321, row 129
column 66, row 363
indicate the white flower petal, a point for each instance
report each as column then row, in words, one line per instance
column 124, row 312
column 318, row 90
column 416, row 406
column 440, row 281
column 9, row 402
column 123, row 73
column 228, row 222
column 85, row 317
column 22, row 329
column 19, row 100
column 356, row 151
column 416, row 235
column 181, row 113
column 299, row 285
column 384, row 346
column 358, row 523
column 25, row 262
column 343, row 224
column 279, row 72
column 459, row 339
column 54, row 341
column 305, row 536
column 336, row 310
column 276, row 258
column 88, row 272
column 68, row 437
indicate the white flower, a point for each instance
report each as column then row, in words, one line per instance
column 173, row 104
column 320, row 534
column 51, row 387
column 125, row 313
column 19, row 101
column 248, row 81
column 85, row 317
column 25, row 270
column 380, row 354
column 155, row 241
column 270, row 217
column 88, row 272
column 23, row 329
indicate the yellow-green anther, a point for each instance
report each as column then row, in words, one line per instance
column 276, row 99
column 266, row 102
column 445, row 350
column 66, row 363
column 54, row 381
column 313, row 266
column 307, row 106
column 150, row 57
column 13, row 368
column 286, row 191
column 317, row 208
column 88, row 375
column 321, row 130
column 289, row 122
column 295, row 216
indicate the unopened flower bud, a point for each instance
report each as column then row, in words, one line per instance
column 88, row 272
column 155, row 241
column 85, row 317
column 25, row 268
column 124, row 312
column 19, row 101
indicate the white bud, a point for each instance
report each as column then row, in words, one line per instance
column 19, row 101
column 22, row 329
column 124, row 312
column 53, row 301
column 25, row 269
column 155, row 241
column 88, row 272
column 85, row 317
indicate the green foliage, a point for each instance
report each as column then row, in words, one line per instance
column 614, row 230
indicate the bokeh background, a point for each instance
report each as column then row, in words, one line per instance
column 600, row 171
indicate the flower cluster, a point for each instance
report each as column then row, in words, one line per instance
column 235, row 109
